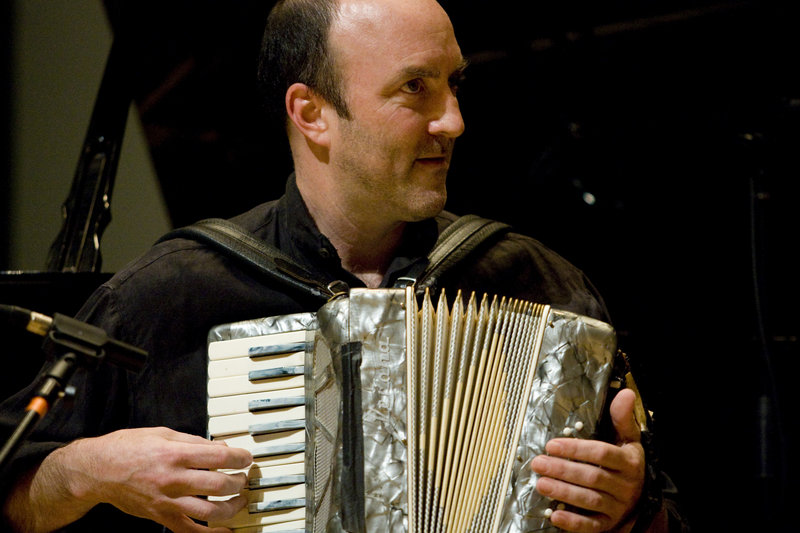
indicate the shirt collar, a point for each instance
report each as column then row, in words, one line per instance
column 299, row 236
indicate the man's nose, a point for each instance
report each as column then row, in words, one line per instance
column 449, row 123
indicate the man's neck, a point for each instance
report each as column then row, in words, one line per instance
column 369, row 258
column 365, row 243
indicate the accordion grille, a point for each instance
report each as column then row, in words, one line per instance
column 325, row 421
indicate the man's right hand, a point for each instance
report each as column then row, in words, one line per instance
column 153, row 473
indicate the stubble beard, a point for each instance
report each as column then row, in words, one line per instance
column 407, row 193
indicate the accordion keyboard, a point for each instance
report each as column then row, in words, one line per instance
column 256, row 401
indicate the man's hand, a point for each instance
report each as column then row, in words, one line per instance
column 153, row 473
column 604, row 479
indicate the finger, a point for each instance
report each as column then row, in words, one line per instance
column 184, row 524
column 594, row 452
column 186, row 438
column 582, row 474
column 604, row 505
column 622, row 416
column 211, row 456
column 580, row 523
column 177, row 436
column 211, row 510
column 210, row 483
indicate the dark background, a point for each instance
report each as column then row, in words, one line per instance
column 652, row 143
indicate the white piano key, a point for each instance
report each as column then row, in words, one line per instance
column 282, row 459
column 241, row 385
column 272, row 493
column 270, row 450
column 257, row 470
column 265, row 466
column 242, row 347
column 241, row 366
column 242, row 422
column 245, row 518
column 296, row 526
column 257, row 443
column 228, row 405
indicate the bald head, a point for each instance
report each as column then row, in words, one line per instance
column 366, row 14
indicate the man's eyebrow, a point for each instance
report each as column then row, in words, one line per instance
column 420, row 72
column 425, row 72
column 458, row 73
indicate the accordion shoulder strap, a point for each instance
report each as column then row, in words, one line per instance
column 454, row 244
column 242, row 245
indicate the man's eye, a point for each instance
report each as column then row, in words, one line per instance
column 413, row 86
column 455, row 82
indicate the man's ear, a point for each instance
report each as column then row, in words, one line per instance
column 305, row 110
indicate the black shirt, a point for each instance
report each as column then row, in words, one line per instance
column 166, row 301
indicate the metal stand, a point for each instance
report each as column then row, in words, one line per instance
column 53, row 389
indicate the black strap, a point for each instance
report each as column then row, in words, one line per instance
column 242, row 245
column 454, row 244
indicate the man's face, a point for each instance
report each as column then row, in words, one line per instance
column 400, row 62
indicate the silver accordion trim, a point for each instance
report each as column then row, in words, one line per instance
column 362, row 457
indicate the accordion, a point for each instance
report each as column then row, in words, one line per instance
column 384, row 411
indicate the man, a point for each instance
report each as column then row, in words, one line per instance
column 368, row 89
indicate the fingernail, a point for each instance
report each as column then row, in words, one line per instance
column 554, row 447
column 539, row 463
column 544, row 486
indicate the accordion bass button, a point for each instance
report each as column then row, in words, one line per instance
column 570, row 431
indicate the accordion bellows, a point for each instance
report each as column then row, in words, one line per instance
column 424, row 415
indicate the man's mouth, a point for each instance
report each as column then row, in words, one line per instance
column 433, row 160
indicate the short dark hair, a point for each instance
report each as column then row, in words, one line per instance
column 295, row 50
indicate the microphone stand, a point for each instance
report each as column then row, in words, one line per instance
column 74, row 344
column 52, row 390
column 772, row 461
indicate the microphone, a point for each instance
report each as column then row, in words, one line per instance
column 20, row 318
column 75, row 335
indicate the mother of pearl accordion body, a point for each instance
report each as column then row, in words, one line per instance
column 378, row 413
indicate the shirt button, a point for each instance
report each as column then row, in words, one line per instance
column 324, row 253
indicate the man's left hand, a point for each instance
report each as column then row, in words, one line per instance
column 604, row 480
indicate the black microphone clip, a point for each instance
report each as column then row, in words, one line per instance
column 63, row 333
column 94, row 343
